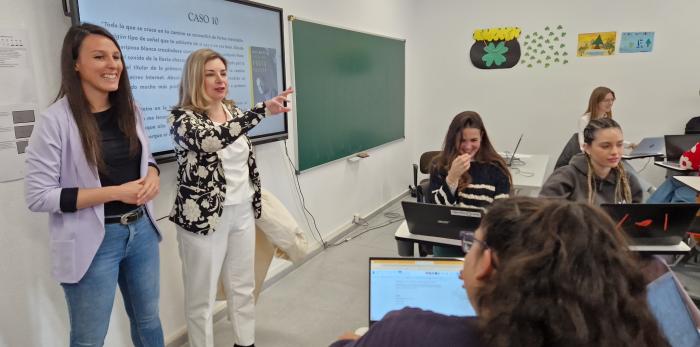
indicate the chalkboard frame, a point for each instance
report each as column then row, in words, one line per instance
column 399, row 118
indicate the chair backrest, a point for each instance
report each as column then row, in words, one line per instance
column 571, row 148
column 425, row 159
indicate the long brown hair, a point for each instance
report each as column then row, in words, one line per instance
column 623, row 193
column 564, row 278
column 598, row 94
column 450, row 148
column 121, row 100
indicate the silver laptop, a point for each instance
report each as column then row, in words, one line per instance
column 427, row 283
column 648, row 147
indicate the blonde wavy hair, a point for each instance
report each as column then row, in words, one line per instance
column 193, row 95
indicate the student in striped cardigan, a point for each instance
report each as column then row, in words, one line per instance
column 468, row 172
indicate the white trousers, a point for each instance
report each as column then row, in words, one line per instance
column 229, row 252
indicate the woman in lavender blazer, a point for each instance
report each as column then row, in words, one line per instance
column 89, row 167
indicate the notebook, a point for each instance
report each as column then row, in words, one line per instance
column 440, row 220
column 653, row 224
column 427, row 283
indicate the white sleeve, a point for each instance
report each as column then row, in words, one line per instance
column 582, row 122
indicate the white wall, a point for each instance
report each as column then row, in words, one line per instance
column 657, row 92
column 32, row 307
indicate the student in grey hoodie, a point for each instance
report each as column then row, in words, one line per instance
column 596, row 175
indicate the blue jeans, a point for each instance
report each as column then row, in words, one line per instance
column 129, row 256
column 672, row 191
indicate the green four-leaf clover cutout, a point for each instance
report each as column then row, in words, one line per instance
column 495, row 54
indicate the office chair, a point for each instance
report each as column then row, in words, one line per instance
column 421, row 189
column 571, row 148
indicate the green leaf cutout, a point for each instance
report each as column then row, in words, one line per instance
column 495, row 54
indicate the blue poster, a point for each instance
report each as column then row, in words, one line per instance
column 636, row 42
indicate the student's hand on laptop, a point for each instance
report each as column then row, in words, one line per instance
column 459, row 166
column 348, row 335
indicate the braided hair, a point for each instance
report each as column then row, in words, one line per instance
column 623, row 192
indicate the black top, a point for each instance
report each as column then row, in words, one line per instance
column 416, row 327
column 121, row 167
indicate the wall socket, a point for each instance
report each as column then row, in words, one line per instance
column 356, row 218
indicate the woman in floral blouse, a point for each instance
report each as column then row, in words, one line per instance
column 218, row 196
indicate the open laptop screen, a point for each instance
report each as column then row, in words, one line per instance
column 677, row 144
column 429, row 284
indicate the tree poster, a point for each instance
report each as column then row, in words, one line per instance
column 596, row 44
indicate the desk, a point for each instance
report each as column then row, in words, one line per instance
column 405, row 241
column 528, row 172
column 691, row 181
column 665, row 165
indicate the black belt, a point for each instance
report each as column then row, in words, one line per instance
column 126, row 218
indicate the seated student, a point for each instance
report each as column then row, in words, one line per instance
column 468, row 172
column 538, row 272
column 599, row 106
column 672, row 190
column 597, row 175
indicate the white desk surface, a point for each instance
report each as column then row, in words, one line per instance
column 679, row 248
column 666, row 166
column 691, row 181
column 529, row 171
column 402, row 233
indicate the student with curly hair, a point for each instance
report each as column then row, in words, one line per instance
column 538, row 272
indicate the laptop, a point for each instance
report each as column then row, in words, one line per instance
column 648, row 147
column 427, row 283
column 653, row 224
column 671, row 313
column 675, row 146
column 440, row 220
column 511, row 158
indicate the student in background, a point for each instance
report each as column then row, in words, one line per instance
column 538, row 272
column 674, row 191
column 599, row 106
column 90, row 168
column 218, row 196
column 468, row 172
column 597, row 175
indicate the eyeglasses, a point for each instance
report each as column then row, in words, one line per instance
column 468, row 240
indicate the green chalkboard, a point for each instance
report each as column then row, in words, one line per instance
column 350, row 91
